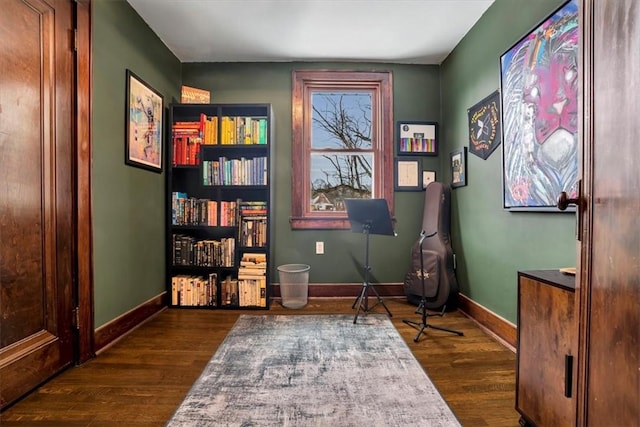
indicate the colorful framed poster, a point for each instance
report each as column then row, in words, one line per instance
column 144, row 125
column 417, row 138
column 539, row 95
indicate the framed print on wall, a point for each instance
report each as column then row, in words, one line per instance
column 458, row 161
column 408, row 175
column 428, row 177
column 417, row 138
column 144, row 125
column 539, row 95
column 484, row 126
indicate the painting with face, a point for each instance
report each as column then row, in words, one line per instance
column 539, row 89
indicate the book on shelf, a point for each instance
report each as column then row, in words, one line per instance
column 189, row 136
column 252, row 231
column 189, row 251
column 252, row 227
column 243, row 130
column 229, row 291
column 218, row 241
column 252, row 279
column 192, row 211
column 239, row 171
column 252, row 292
column 186, row 150
column 192, row 291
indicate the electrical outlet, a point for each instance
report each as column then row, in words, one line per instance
column 319, row 248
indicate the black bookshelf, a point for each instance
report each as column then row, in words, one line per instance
column 218, row 206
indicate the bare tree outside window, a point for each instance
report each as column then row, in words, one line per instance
column 342, row 144
column 341, row 157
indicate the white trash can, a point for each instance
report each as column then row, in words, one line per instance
column 294, row 284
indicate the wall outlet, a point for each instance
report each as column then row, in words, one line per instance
column 319, row 248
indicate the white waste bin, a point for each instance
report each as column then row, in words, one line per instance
column 294, row 284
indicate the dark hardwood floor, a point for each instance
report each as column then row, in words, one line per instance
column 141, row 379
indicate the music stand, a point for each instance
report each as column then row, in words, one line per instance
column 368, row 216
column 422, row 307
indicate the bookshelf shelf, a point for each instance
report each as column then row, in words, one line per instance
column 218, row 206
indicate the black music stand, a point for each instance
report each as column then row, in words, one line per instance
column 422, row 307
column 368, row 216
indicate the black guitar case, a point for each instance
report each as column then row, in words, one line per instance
column 440, row 284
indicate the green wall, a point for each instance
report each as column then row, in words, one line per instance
column 128, row 202
column 493, row 244
column 416, row 97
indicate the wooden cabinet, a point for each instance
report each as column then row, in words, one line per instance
column 547, row 346
column 218, row 203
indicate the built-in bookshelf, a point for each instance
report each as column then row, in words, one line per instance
column 218, row 202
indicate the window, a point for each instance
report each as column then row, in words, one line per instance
column 342, row 144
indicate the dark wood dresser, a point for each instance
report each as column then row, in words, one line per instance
column 547, row 345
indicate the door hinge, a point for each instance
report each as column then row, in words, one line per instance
column 76, row 318
column 75, row 39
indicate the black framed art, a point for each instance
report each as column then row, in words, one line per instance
column 484, row 126
column 417, row 138
column 428, row 177
column 408, row 174
column 458, row 166
column 144, row 125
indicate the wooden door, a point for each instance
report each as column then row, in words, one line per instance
column 609, row 369
column 37, row 207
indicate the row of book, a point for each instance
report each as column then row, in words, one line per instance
column 253, row 231
column 243, row 293
column 233, row 130
column 243, row 130
column 194, row 290
column 188, row 136
column 186, row 151
column 188, row 250
column 253, row 223
column 252, row 280
column 242, row 171
column 198, row 291
column 193, row 211
column 204, row 131
column 187, row 210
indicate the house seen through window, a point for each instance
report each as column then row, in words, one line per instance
column 342, row 144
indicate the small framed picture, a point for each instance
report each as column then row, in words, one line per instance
column 144, row 119
column 458, row 167
column 417, row 138
column 428, row 177
column 407, row 174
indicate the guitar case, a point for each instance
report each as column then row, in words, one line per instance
column 440, row 284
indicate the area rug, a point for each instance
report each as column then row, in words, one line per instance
column 313, row 370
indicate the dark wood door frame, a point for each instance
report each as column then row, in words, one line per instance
column 84, row 235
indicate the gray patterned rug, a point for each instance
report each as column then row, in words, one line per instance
column 313, row 370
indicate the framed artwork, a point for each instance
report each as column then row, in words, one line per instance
column 428, row 177
column 458, row 161
column 539, row 104
column 407, row 174
column 417, row 138
column 144, row 125
column 484, row 126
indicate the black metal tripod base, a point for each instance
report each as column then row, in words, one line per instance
column 362, row 301
column 421, row 326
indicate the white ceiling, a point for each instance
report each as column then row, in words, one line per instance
column 394, row 31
